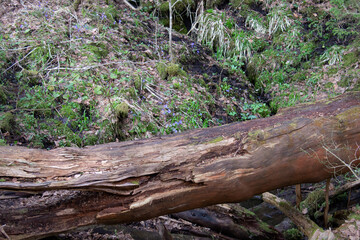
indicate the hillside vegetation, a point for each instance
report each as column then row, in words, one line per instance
column 103, row 73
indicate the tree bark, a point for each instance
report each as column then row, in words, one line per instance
column 137, row 180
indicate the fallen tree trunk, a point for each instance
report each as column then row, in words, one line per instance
column 136, row 180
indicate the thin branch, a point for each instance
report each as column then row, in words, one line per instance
column 18, row 61
column 344, row 164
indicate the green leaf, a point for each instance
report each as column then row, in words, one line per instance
column 97, row 90
column 113, row 75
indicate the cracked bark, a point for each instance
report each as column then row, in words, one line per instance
column 137, row 180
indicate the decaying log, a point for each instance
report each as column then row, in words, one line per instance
column 136, row 180
column 308, row 227
column 230, row 220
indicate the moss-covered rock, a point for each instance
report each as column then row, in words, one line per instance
column 166, row 71
column 313, row 201
column 137, row 82
column 161, row 67
column 122, row 111
column 175, row 70
column 76, row 4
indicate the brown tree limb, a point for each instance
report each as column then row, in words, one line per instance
column 230, row 220
column 306, row 226
column 326, row 211
column 136, row 180
column 298, row 195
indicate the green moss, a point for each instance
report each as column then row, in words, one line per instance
column 164, row 7
column 76, row 4
column 244, row 7
column 37, row 142
column 165, row 22
column 111, row 13
column 313, row 201
column 345, row 81
column 176, row 85
column 202, row 82
column 31, row 76
column 332, row 71
column 98, row 49
column 258, row 135
column 122, row 111
column 348, row 115
column 299, row 77
column 351, row 58
column 147, row 6
column 356, row 87
column 137, row 82
column 218, row 139
column 306, row 65
column 354, row 216
column 91, row 140
column 329, row 85
column 214, row 3
column 175, row 70
column 264, row 226
column 170, row 70
column 161, row 67
column 22, row 211
column 132, row 92
column 179, row 7
column 2, row 143
column 7, row 122
column 293, row 234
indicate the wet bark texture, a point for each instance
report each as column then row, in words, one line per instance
column 137, row 180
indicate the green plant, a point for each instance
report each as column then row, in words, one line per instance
column 226, row 88
column 212, row 32
column 279, row 19
column 242, row 46
column 293, row 234
column 260, row 109
column 332, row 55
column 255, row 22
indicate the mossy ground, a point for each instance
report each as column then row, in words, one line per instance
column 99, row 66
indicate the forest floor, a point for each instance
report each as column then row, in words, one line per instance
column 104, row 73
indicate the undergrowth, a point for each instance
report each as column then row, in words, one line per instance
column 102, row 73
